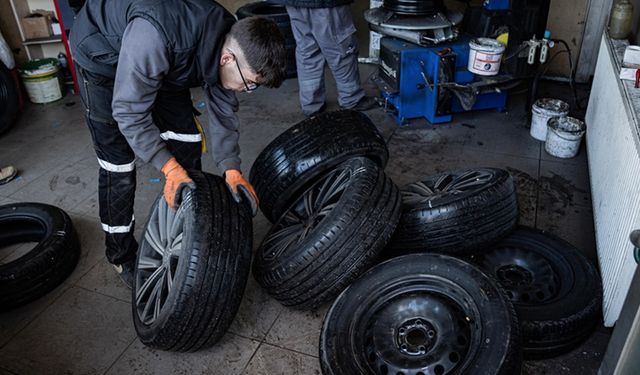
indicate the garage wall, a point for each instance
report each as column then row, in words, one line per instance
column 566, row 20
column 10, row 31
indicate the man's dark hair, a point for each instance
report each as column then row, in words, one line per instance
column 262, row 44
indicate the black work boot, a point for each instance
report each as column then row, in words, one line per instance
column 319, row 111
column 365, row 104
column 126, row 272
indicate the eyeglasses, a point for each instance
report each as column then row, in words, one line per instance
column 250, row 85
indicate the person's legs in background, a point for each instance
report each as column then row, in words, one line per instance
column 310, row 62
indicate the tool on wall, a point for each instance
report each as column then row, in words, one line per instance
column 435, row 62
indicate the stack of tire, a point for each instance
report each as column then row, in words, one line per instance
column 279, row 15
column 333, row 208
column 192, row 267
column 466, row 290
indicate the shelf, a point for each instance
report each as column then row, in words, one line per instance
column 48, row 40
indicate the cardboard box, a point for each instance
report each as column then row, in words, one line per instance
column 37, row 25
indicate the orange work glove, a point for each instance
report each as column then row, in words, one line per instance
column 241, row 189
column 176, row 178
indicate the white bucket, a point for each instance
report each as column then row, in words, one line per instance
column 564, row 136
column 485, row 56
column 41, row 78
column 544, row 110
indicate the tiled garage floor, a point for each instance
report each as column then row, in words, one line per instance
column 85, row 327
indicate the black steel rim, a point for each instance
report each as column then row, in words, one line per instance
column 421, row 327
column 414, row 7
column 527, row 276
column 446, row 184
column 306, row 213
column 158, row 258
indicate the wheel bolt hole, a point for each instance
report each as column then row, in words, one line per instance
column 403, row 346
column 418, row 322
column 431, row 333
column 462, row 340
column 402, row 331
column 372, row 357
column 454, row 357
column 422, row 349
column 439, row 370
column 510, row 294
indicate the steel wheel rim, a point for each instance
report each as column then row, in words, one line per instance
column 420, row 330
column 157, row 261
column 446, row 184
column 306, row 214
column 527, row 277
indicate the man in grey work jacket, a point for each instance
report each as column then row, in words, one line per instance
column 324, row 31
column 137, row 60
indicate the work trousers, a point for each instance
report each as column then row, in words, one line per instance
column 173, row 114
column 325, row 35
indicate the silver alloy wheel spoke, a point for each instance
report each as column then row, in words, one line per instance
column 147, row 263
column 162, row 225
column 151, row 282
column 420, row 192
column 157, row 262
column 154, row 242
column 306, row 214
column 176, row 245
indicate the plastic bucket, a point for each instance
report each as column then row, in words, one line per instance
column 544, row 110
column 41, row 78
column 485, row 56
column 564, row 136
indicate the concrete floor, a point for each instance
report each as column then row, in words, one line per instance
column 84, row 326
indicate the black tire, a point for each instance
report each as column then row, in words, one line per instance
column 8, row 99
column 330, row 236
column 307, row 150
column 210, row 269
column 421, row 314
column 45, row 266
column 458, row 212
column 556, row 291
column 277, row 13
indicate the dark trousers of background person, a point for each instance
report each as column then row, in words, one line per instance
column 173, row 114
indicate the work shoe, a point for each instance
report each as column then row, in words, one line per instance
column 365, row 104
column 7, row 174
column 126, row 271
column 319, row 111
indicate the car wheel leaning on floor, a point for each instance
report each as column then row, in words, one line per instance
column 456, row 212
column 556, row 291
column 333, row 233
column 293, row 160
column 421, row 314
column 192, row 267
